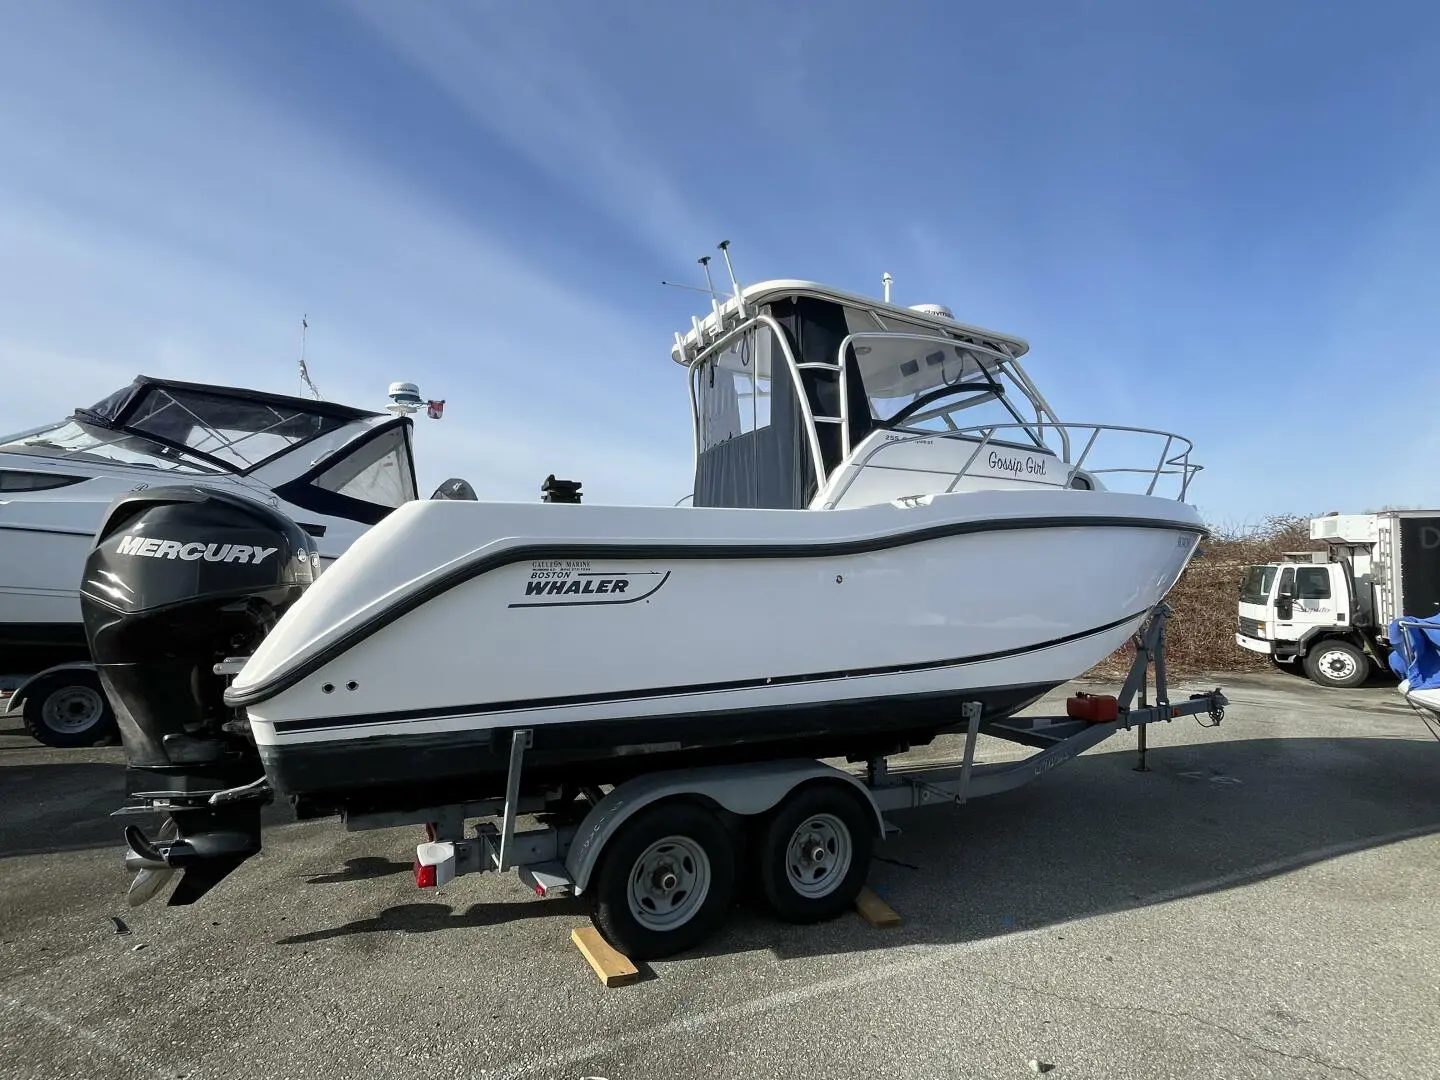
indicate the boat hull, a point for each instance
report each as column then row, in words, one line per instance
column 620, row 653
column 1427, row 701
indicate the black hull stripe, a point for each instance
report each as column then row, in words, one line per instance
column 363, row 771
column 663, row 692
column 674, row 552
column 62, row 531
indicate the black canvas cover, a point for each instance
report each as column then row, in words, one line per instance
column 768, row 468
column 772, row 466
column 815, row 328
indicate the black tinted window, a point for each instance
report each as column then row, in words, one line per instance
column 1312, row 583
column 11, row 480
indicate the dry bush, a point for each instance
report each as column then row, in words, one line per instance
column 1200, row 636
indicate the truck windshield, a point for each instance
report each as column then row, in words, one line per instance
column 1255, row 588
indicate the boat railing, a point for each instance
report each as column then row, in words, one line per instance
column 1170, row 460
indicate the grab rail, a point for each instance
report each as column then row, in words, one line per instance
column 1166, row 464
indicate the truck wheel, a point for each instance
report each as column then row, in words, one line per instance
column 68, row 710
column 1336, row 663
column 814, row 853
column 665, row 882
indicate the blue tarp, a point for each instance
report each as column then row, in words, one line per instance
column 1415, row 652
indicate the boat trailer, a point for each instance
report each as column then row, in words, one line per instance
column 661, row 855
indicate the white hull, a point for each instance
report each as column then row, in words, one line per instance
column 1425, row 700
column 1014, row 590
column 41, row 577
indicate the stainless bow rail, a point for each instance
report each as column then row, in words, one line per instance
column 1168, row 462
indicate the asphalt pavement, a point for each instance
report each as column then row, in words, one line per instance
column 1261, row 903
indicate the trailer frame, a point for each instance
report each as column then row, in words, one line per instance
column 564, row 859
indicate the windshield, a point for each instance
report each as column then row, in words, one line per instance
column 935, row 384
column 84, row 442
column 378, row 472
column 237, row 431
column 1255, row 588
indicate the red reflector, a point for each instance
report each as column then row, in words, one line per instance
column 424, row 875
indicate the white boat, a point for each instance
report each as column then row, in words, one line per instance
column 333, row 468
column 888, row 521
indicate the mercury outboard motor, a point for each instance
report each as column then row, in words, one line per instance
column 181, row 584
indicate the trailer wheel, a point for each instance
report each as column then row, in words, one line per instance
column 665, row 881
column 68, row 710
column 1336, row 663
column 814, row 851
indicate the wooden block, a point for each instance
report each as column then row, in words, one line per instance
column 613, row 968
column 875, row 911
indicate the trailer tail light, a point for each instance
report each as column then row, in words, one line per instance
column 434, row 864
column 1093, row 708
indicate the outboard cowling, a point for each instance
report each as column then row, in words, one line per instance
column 181, row 580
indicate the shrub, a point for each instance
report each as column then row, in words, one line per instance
column 1200, row 636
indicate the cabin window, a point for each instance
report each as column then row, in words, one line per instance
column 12, row 480
column 733, row 387
column 377, row 472
column 1312, row 583
column 753, row 440
column 927, row 383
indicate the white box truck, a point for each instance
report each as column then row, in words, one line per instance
column 1329, row 610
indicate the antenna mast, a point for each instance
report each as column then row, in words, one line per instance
column 305, row 371
column 886, row 279
column 739, row 300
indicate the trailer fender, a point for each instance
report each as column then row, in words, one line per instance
column 741, row 789
column 18, row 695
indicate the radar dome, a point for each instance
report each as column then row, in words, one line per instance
column 933, row 309
column 404, row 397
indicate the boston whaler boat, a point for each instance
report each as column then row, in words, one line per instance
column 892, row 537
column 334, row 469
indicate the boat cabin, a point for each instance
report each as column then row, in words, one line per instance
column 805, row 397
column 331, row 459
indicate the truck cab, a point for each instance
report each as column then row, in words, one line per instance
column 1328, row 610
column 1303, row 610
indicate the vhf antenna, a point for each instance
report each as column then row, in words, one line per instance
column 304, row 370
column 886, row 279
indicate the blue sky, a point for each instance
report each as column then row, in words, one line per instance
column 1221, row 219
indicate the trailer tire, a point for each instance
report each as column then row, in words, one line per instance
column 1336, row 663
column 68, row 710
column 814, row 853
column 665, row 882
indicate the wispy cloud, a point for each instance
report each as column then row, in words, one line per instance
column 523, row 73
column 186, row 235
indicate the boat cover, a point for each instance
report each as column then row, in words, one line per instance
column 1415, row 655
